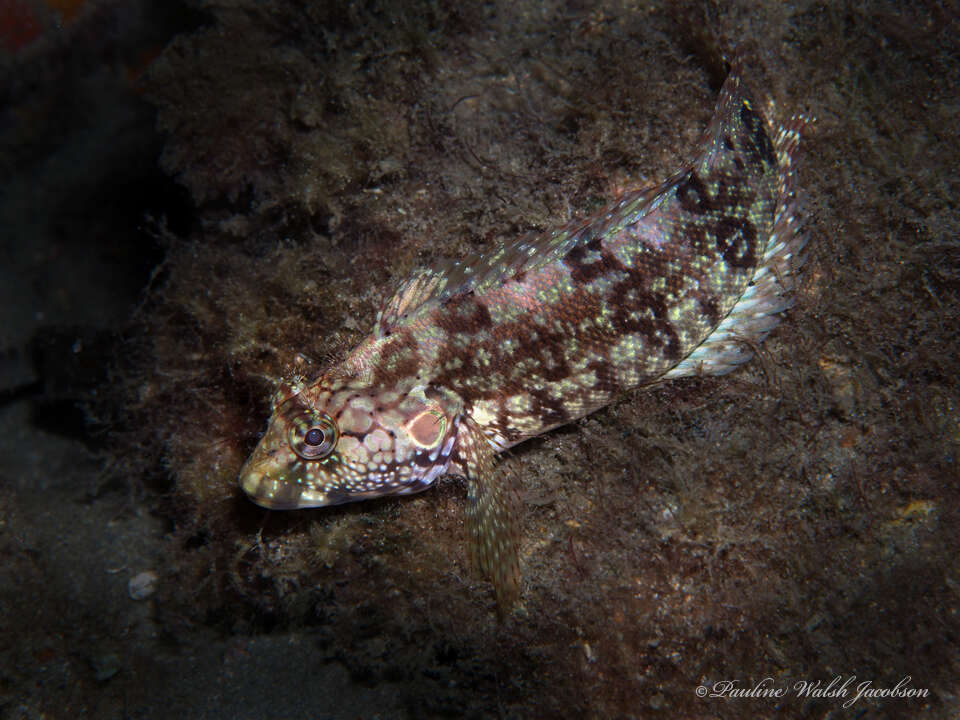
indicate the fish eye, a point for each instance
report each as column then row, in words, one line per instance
column 313, row 435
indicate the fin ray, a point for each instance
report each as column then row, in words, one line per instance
column 491, row 522
column 758, row 310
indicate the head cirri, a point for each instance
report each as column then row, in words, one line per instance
column 336, row 441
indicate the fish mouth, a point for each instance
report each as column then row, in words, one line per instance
column 278, row 494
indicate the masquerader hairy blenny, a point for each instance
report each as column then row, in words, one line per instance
column 475, row 356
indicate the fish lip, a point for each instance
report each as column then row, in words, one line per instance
column 268, row 493
column 270, row 503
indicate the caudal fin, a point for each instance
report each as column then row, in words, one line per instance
column 758, row 310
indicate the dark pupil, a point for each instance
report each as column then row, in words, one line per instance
column 314, row 436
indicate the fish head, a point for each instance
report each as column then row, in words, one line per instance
column 337, row 441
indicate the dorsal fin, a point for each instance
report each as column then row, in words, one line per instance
column 477, row 272
column 474, row 273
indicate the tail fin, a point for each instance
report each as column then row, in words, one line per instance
column 757, row 311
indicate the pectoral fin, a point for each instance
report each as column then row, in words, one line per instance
column 491, row 521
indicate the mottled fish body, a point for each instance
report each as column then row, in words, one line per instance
column 472, row 357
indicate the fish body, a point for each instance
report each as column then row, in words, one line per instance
column 472, row 357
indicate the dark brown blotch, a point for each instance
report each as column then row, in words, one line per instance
column 710, row 309
column 405, row 356
column 580, row 270
column 591, row 239
column 696, row 236
column 465, row 313
column 692, row 194
column 759, row 147
column 737, row 241
column 658, row 332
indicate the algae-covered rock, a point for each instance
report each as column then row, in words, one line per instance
column 689, row 533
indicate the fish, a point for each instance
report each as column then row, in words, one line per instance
column 473, row 356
